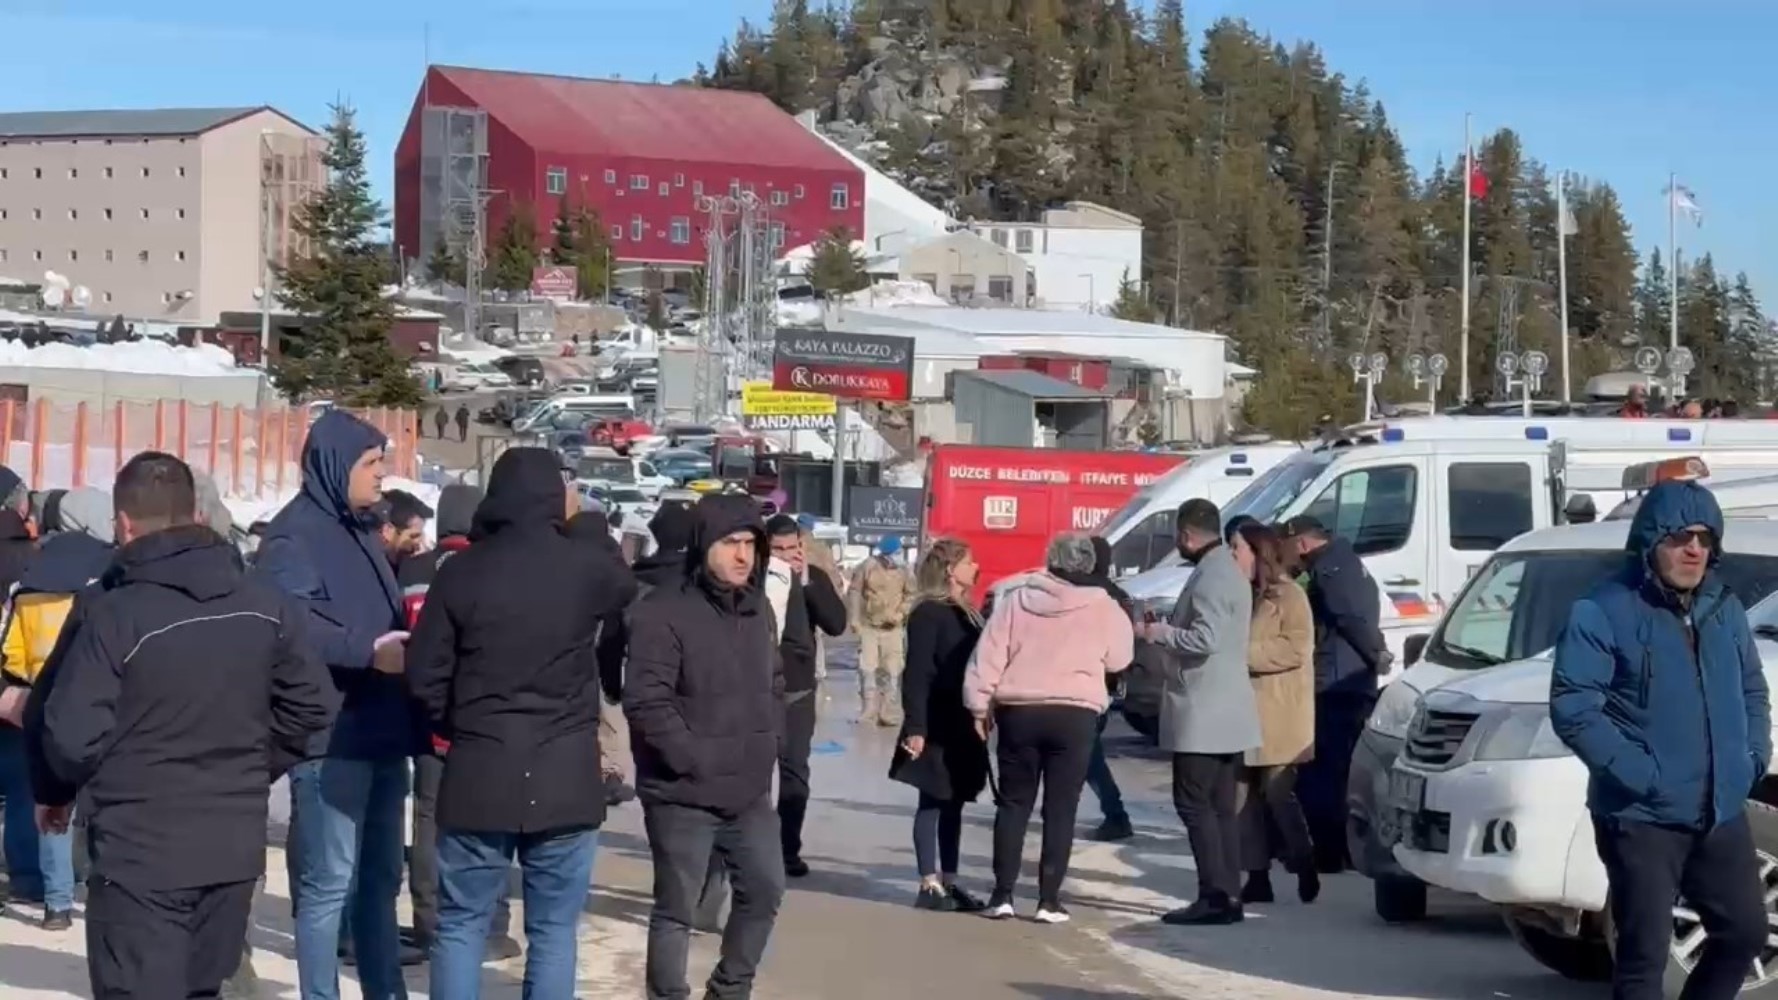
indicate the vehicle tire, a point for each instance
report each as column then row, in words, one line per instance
column 1763, row 819
column 1584, row 959
column 1399, row 899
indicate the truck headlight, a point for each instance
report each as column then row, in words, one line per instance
column 1395, row 709
column 1524, row 734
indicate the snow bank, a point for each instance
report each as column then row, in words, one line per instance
column 142, row 357
column 893, row 294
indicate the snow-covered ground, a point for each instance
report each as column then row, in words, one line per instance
column 142, row 357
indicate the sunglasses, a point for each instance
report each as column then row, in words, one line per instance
column 1680, row 539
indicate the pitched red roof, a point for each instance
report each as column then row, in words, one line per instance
column 566, row 114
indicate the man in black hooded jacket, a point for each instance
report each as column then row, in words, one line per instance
column 704, row 695
column 178, row 795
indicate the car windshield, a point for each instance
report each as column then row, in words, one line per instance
column 1267, row 497
column 1517, row 605
column 610, row 469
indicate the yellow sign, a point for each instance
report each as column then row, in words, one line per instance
column 759, row 399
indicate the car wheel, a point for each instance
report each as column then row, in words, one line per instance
column 1399, row 899
column 1585, row 959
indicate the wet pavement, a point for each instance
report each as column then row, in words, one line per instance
column 848, row 930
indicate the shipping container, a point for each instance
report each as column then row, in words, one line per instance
column 1007, row 503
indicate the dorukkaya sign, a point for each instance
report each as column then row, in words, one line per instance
column 846, row 365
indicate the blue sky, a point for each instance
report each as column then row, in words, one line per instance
column 1624, row 91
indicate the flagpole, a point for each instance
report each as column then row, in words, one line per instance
column 1673, row 261
column 1463, row 322
column 1562, row 274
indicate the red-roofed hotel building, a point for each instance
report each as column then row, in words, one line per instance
column 640, row 154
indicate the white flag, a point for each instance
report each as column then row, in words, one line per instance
column 1685, row 202
column 1569, row 226
column 1566, row 224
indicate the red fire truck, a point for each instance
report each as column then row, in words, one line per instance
column 1007, row 503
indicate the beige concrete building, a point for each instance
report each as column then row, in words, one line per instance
column 964, row 266
column 155, row 214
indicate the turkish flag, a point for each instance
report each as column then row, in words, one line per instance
column 1478, row 181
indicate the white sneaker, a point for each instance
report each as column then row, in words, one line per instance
column 1052, row 914
column 999, row 911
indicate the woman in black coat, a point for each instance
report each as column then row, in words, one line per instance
column 940, row 752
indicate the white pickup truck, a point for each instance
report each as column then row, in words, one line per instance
column 1485, row 800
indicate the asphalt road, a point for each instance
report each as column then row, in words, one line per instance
column 848, row 930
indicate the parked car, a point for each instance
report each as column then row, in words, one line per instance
column 617, row 433
column 682, row 465
column 522, row 369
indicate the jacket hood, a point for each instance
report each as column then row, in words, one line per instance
column 190, row 558
column 211, row 510
column 66, row 563
column 334, row 445
column 1670, row 507
column 524, row 490
column 660, row 569
column 456, row 509
column 672, row 527
column 718, row 517
column 87, row 511
column 1048, row 597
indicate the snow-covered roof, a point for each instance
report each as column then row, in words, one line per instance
column 929, row 341
column 990, row 322
column 141, row 357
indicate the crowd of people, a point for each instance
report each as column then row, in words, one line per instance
column 157, row 682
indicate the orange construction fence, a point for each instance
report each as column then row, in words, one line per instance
column 248, row 451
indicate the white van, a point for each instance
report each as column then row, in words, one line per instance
column 1485, row 800
column 590, row 405
column 1143, row 532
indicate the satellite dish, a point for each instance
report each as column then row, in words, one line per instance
column 53, row 296
column 1648, row 360
column 1507, row 364
column 1438, row 364
column 83, row 296
column 1536, row 363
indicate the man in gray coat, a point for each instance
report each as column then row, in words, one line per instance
column 1208, row 716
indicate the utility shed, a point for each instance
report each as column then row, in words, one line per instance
column 1020, row 408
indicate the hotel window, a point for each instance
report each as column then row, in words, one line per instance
column 109, row 173
column 182, row 169
column 181, row 213
column 179, row 255
column 610, row 176
column 37, row 173
column 73, row 214
column 697, row 189
column 145, row 171
column 638, row 182
column 73, row 173
column 780, row 198
column 638, row 228
column 2, row 255
column 3, row 170
column 555, row 180
column 36, row 213
column 998, row 236
column 841, row 197
column 1022, row 240
column 681, row 230
column 777, row 235
column 107, row 296
column 107, row 256
column 663, row 189
column 617, row 232
column 797, row 192
column 166, row 298
column 142, row 255
column 678, row 180
column 145, row 215
column 108, row 214
column 37, row 255
column 74, row 255
column 2, row 215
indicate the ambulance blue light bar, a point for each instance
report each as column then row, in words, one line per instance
column 1238, row 458
column 1394, row 434
column 1679, row 433
column 1537, row 433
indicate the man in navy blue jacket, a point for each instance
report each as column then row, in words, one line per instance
column 348, row 796
column 1350, row 655
column 1658, row 689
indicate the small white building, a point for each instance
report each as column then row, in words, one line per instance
column 1079, row 254
column 894, row 217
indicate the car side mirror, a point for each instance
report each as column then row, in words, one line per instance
column 1580, row 510
column 1414, row 648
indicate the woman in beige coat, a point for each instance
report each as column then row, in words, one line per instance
column 1281, row 661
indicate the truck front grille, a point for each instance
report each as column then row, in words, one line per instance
column 1435, row 736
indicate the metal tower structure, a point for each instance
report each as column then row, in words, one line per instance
column 740, row 299
column 454, row 169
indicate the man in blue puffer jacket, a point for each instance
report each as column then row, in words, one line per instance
column 348, row 797
column 1658, row 689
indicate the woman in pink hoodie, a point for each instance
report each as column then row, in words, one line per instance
column 1039, row 677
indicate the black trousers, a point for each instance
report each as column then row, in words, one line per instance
column 1051, row 746
column 1204, row 794
column 164, row 944
column 1272, row 823
column 681, row 838
column 1718, row 874
column 793, row 771
column 1321, row 783
column 422, row 858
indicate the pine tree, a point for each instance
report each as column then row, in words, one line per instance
column 579, row 241
column 837, row 268
column 514, row 257
column 443, row 265
column 1132, row 304
column 343, row 351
